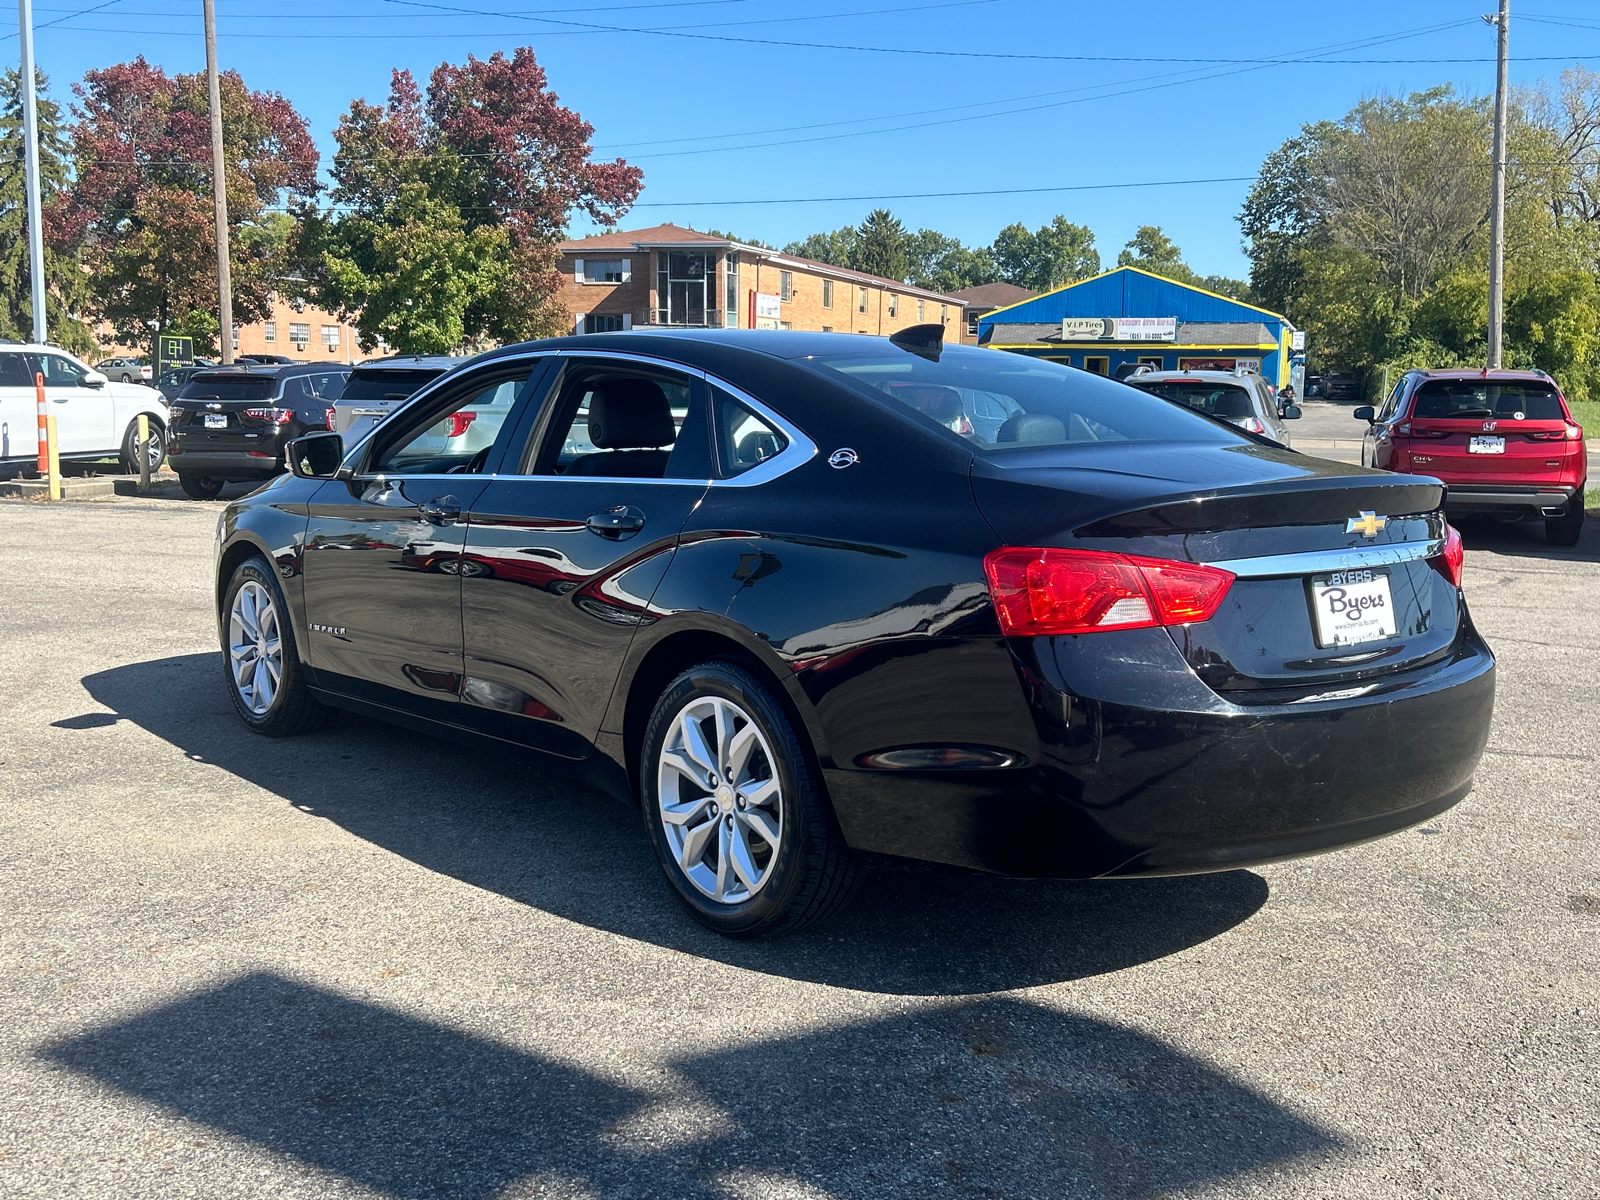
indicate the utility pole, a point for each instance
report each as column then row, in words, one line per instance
column 219, row 186
column 1497, row 201
column 30, row 140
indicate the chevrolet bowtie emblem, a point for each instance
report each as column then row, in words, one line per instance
column 1367, row 524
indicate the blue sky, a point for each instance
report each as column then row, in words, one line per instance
column 942, row 83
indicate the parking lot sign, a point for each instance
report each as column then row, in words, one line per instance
column 173, row 352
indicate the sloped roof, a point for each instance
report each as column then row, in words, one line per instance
column 1132, row 292
column 629, row 239
column 1190, row 333
column 993, row 295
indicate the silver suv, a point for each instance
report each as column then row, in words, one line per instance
column 1240, row 398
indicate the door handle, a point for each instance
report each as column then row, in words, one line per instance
column 617, row 523
column 441, row 510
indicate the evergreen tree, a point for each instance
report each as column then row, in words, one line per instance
column 64, row 280
column 881, row 245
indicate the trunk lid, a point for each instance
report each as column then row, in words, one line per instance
column 1278, row 519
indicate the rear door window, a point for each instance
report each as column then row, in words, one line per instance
column 623, row 423
column 14, row 371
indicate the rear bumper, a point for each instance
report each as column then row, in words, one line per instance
column 1547, row 501
column 225, row 464
column 1161, row 776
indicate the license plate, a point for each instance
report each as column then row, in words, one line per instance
column 1486, row 445
column 1351, row 607
column 216, row 420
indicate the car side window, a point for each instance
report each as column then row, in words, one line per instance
column 296, row 390
column 1393, row 402
column 61, row 372
column 628, row 423
column 458, row 440
column 744, row 439
column 14, row 371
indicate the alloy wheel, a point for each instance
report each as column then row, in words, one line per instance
column 255, row 647
column 721, row 799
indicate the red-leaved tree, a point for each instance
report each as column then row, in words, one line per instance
column 449, row 206
column 142, row 197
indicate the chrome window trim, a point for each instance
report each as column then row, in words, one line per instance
column 1314, row 561
column 800, row 450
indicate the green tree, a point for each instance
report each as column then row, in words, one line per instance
column 881, row 246
column 837, row 249
column 1054, row 255
column 1152, row 250
column 65, row 286
column 449, row 207
column 941, row 263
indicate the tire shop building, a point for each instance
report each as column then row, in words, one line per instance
column 1131, row 316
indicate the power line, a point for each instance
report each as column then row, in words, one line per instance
column 82, row 12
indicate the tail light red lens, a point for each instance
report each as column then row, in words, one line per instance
column 328, row 420
column 1452, row 559
column 1041, row 592
column 456, row 423
column 272, row 416
column 1254, row 425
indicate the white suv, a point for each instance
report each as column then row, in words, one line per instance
column 95, row 418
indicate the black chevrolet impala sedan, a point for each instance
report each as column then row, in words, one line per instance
column 805, row 596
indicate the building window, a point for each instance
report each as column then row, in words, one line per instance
column 730, row 292
column 827, row 293
column 785, row 325
column 330, row 337
column 1097, row 364
column 270, row 332
column 972, row 327
column 786, row 285
column 894, row 305
column 944, row 314
column 861, row 300
column 922, row 311
column 603, row 323
column 827, row 329
column 602, row 270
column 682, row 293
column 299, row 334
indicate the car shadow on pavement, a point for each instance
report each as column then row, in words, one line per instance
column 993, row 1096
column 523, row 830
column 1526, row 538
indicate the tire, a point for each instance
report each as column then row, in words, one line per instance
column 725, row 838
column 200, row 487
column 130, row 448
column 1565, row 531
column 260, row 665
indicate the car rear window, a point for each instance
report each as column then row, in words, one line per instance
column 1230, row 401
column 1466, row 399
column 996, row 401
column 230, row 387
column 387, row 384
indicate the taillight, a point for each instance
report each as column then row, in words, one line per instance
column 1039, row 592
column 272, row 416
column 1574, row 432
column 329, row 420
column 1253, row 424
column 456, row 423
column 1452, row 558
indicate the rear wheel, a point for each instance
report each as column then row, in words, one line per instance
column 735, row 808
column 1565, row 531
column 200, row 487
column 130, row 447
column 259, row 661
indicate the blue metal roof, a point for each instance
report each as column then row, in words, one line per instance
column 1130, row 292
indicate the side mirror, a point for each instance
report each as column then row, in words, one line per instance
column 1366, row 413
column 316, row 456
column 95, row 379
column 1291, row 412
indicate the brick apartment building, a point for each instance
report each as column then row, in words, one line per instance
column 666, row 275
column 303, row 333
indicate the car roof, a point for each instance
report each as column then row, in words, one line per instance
column 274, row 370
column 412, row 362
column 1482, row 373
column 1204, row 376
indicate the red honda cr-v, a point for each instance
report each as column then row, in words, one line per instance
column 1503, row 441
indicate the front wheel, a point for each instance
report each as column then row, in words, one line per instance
column 200, row 487
column 259, row 659
column 736, row 811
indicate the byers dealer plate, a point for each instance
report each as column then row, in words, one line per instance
column 1351, row 607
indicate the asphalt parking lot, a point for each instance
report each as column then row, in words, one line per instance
column 367, row 963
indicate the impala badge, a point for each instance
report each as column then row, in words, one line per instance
column 842, row 458
column 1367, row 524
